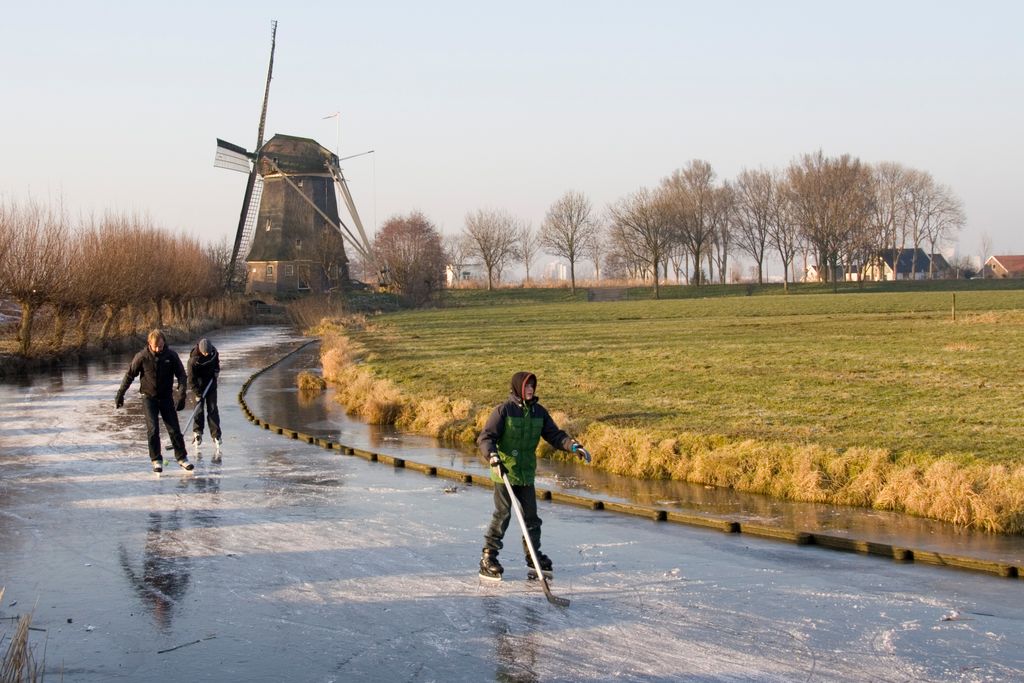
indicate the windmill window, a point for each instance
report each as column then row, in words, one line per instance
column 270, row 223
column 289, row 269
column 298, row 244
column 270, row 271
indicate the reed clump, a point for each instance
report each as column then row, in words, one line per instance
column 310, row 384
column 19, row 664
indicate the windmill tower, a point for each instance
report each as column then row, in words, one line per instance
column 289, row 227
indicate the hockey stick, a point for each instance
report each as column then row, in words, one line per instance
column 552, row 598
column 170, row 447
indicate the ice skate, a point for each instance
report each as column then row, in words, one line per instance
column 490, row 568
column 545, row 566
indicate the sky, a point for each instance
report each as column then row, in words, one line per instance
column 468, row 105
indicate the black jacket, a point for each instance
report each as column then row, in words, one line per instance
column 157, row 371
column 202, row 369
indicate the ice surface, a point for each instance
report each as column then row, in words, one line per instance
column 289, row 562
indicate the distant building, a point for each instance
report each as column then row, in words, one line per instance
column 463, row 273
column 1004, row 266
column 556, row 271
column 908, row 264
column 842, row 273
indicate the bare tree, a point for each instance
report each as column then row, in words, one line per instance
column 783, row 229
column 642, row 222
column 7, row 216
column 528, row 244
column 920, row 199
column 35, row 267
column 986, row 251
column 567, row 230
column 219, row 255
column 889, row 217
column 597, row 249
column 945, row 218
column 410, row 247
column 493, row 235
column 679, row 260
column 755, row 196
column 722, row 220
column 689, row 199
column 623, row 260
column 963, row 267
column 832, row 199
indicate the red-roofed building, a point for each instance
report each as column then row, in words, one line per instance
column 1004, row 266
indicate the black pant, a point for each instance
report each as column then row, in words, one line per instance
column 213, row 414
column 527, row 497
column 162, row 407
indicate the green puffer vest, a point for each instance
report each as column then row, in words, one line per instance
column 518, row 447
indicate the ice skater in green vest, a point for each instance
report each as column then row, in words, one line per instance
column 509, row 443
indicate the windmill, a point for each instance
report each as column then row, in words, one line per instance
column 289, row 228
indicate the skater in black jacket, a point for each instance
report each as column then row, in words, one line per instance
column 203, row 370
column 158, row 366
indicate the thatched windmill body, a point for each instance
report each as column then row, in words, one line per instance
column 289, row 226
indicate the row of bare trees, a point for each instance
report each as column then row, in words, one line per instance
column 841, row 212
column 97, row 269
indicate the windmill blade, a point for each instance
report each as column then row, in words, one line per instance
column 232, row 157
column 246, row 217
column 342, row 184
column 266, row 91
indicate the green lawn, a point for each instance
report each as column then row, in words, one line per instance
column 873, row 368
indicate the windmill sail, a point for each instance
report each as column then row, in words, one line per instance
column 232, row 157
column 342, row 185
column 228, row 157
column 252, row 213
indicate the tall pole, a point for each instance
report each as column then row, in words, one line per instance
column 337, row 118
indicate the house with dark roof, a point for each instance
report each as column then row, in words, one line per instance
column 908, row 264
column 1004, row 266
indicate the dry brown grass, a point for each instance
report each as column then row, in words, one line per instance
column 310, row 384
column 19, row 663
column 964, row 492
column 440, row 417
column 975, row 495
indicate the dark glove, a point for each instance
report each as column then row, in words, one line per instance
column 581, row 452
column 180, row 405
column 119, row 401
column 494, row 460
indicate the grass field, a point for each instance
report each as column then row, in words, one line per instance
column 889, row 376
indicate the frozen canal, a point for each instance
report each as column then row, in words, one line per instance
column 288, row 562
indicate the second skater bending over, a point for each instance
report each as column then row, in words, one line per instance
column 203, row 371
